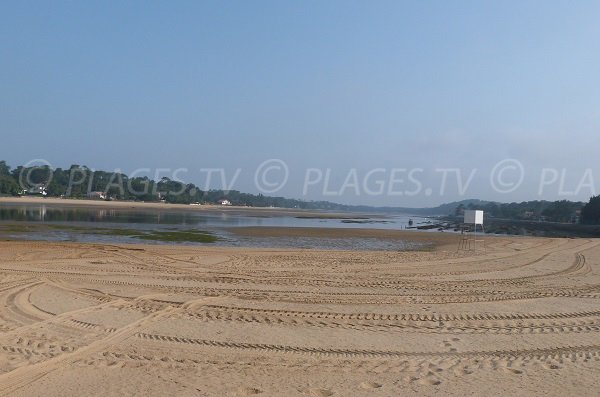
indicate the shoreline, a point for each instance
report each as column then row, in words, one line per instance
column 205, row 208
column 435, row 240
column 421, row 240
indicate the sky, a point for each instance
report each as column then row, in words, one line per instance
column 381, row 103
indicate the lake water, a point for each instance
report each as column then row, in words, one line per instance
column 214, row 221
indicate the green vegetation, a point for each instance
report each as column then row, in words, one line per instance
column 178, row 236
column 79, row 181
column 551, row 211
column 590, row 214
column 12, row 228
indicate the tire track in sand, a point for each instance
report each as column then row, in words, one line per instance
column 536, row 353
column 23, row 376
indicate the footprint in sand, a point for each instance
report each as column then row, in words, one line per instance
column 370, row 385
column 511, row 370
column 552, row 366
column 247, row 391
column 429, row 381
column 462, row 371
column 320, row 392
column 448, row 344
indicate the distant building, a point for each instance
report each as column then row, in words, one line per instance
column 36, row 191
column 223, row 202
column 96, row 195
column 576, row 217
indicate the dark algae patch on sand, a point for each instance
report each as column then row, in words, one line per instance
column 175, row 236
column 194, row 236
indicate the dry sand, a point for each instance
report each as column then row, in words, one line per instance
column 521, row 318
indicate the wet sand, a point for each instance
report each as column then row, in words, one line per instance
column 429, row 239
column 521, row 318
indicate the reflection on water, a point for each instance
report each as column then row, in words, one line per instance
column 214, row 221
column 42, row 213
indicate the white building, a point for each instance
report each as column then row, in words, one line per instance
column 96, row 195
column 36, row 191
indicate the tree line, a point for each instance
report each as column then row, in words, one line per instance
column 563, row 211
column 78, row 181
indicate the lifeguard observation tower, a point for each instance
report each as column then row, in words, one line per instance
column 469, row 237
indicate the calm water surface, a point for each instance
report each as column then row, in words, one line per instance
column 214, row 221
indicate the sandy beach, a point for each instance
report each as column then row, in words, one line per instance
column 521, row 318
column 299, row 199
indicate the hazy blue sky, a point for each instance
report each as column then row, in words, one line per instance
column 317, row 84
